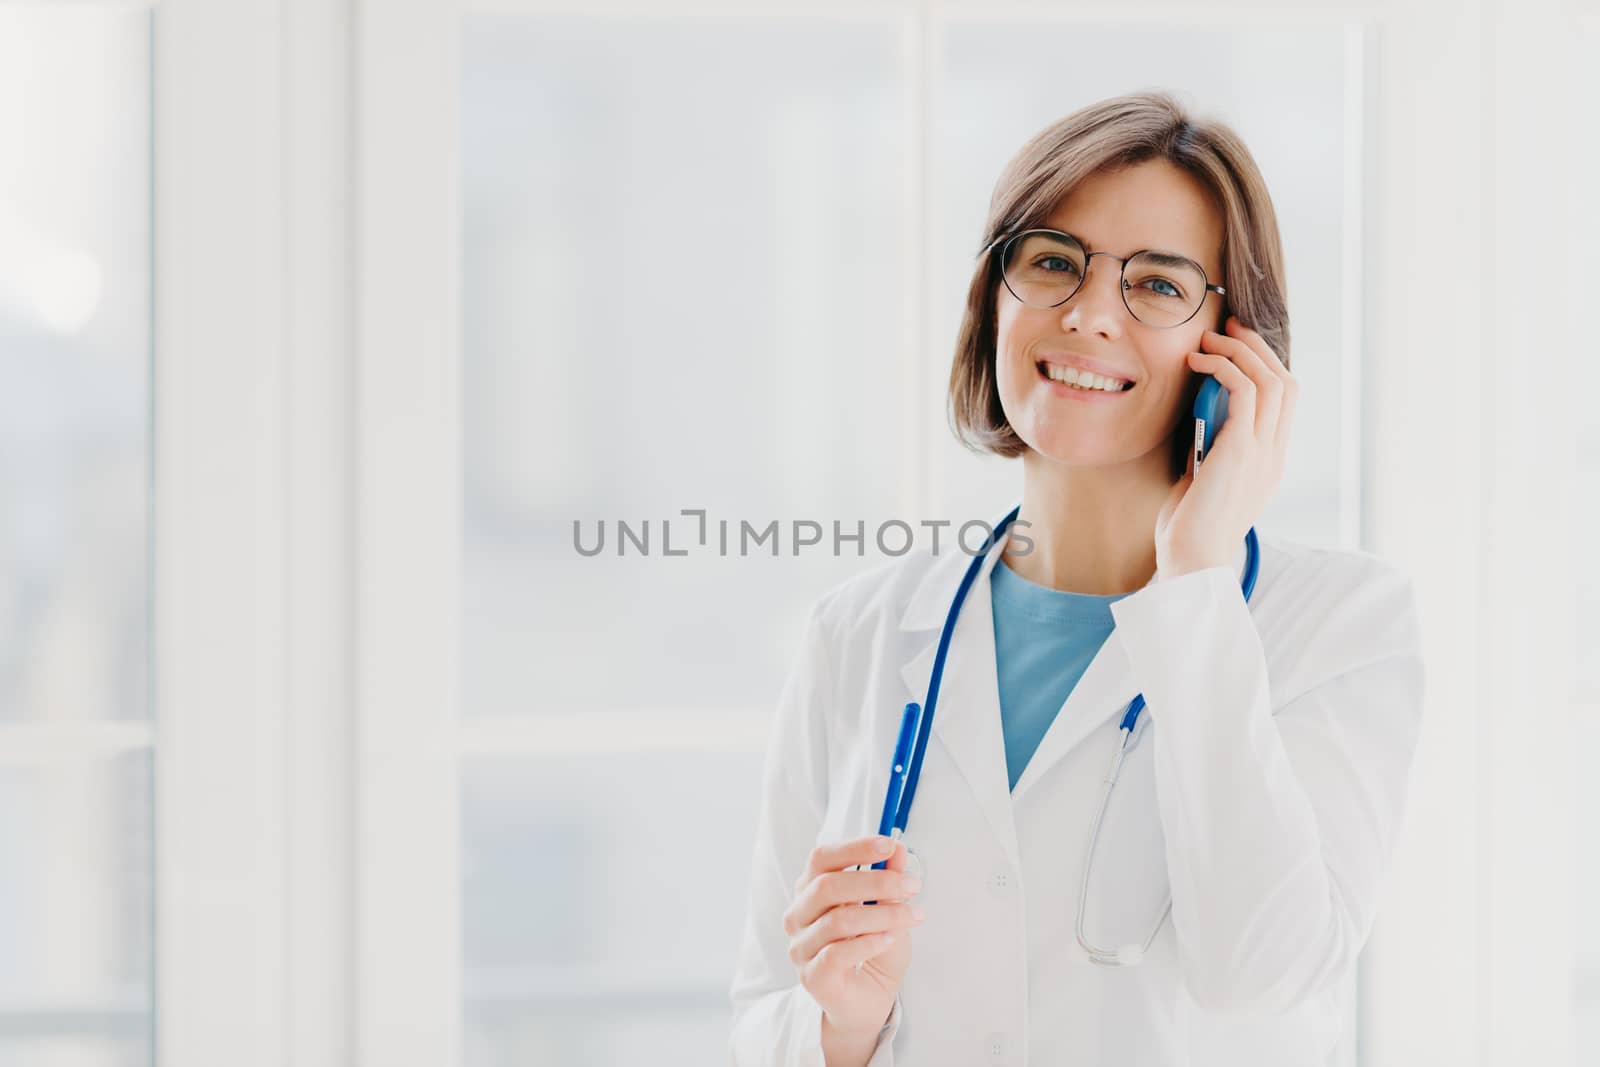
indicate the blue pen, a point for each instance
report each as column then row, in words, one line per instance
column 910, row 719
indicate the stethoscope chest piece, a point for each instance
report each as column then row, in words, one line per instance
column 915, row 867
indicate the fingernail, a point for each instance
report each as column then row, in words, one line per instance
column 916, row 913
column 883, row 845
column 912, row 886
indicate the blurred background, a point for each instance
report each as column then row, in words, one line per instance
column 325, row 325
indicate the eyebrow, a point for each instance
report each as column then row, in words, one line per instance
column 1165, row 259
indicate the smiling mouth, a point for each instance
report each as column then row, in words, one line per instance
column 1095, row 383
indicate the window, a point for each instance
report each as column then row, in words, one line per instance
column 76, row 843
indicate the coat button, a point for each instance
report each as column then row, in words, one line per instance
column 1000, row 882
column 995, row 1046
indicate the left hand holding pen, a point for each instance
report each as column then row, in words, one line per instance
column 1205, row 517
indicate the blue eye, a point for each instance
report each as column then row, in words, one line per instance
column 1174, row 291
column 1071, row 266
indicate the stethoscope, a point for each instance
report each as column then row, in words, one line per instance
column 916, row 724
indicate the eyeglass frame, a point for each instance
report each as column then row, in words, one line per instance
column 1122, row 275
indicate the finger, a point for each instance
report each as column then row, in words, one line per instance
column 1291, row 396
column 1269, row 355
column 840, row 956
column 1241, row 390
column 897, row 861
column 1280, row 430
column 1274, row 362
column 842, row 887
column 1174, row 497
column 847, row 921
column 1269, row 387
column 836, row 857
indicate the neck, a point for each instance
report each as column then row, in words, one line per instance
column 1092, row 528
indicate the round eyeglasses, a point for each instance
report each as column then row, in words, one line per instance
column 1044, row 268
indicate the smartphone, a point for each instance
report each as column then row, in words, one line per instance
column 1210, row 412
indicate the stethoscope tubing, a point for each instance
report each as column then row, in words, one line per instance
column 925, row 725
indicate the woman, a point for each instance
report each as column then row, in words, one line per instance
column 1266, row 780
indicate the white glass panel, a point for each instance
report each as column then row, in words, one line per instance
column 656, row 1035
column 75, row 358
column 683, row 288
column 1001, row 82
column 75, row 907
column 71, row 1052
column 595, row 924
column 75, row 246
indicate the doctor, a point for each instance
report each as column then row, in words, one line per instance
column 1265, row 780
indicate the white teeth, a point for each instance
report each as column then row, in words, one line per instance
column 1082, row 379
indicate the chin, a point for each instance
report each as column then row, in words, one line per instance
column 1070, row 449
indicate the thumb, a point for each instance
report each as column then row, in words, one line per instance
column 1170, row 505
column 897, row 858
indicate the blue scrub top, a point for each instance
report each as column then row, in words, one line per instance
column 1043, row 640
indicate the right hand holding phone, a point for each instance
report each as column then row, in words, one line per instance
column 831, row 930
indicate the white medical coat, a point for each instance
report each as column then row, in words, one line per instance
column 1264, row 789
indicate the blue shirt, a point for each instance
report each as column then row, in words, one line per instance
column 1043, row 641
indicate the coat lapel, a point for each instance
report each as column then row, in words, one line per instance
column 967, row 719
column 1097, row 702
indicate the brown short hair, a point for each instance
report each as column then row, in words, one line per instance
column 1122, row 131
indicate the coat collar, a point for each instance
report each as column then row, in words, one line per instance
column 967, row 718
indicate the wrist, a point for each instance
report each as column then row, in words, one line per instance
column 849, row 1046
column 1169, row 567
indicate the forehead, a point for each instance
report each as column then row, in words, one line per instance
column 1149, row 205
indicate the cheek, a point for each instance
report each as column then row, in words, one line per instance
column 1007, row 362
column 1005, row 318
column 1169, row 361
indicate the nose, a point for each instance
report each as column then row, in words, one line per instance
column 1097, row 306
